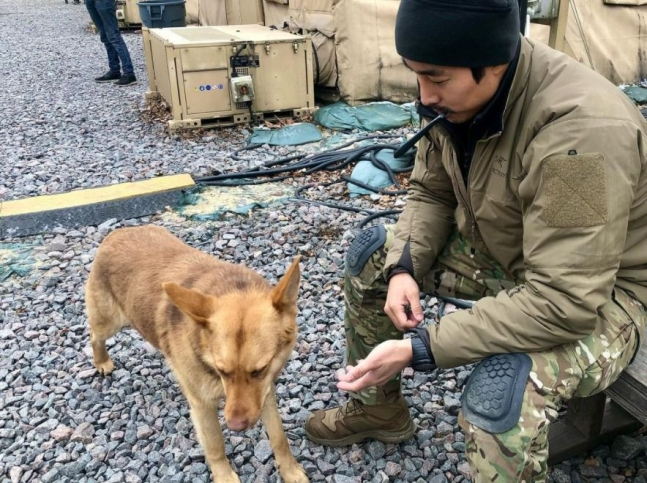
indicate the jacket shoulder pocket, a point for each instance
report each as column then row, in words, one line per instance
column 575, row 190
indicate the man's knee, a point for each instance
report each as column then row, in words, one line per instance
column 493, row 397
column 504, row 422
column 363, row 247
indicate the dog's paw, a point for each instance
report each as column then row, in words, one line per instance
column 105, row 367
column 224, row 475
column 295, row 474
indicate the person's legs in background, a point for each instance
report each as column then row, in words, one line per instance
column 113, row 58
column 107, row 10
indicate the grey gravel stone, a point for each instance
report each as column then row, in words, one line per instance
column 144, row 432
column 626, row 448
column 343, row 479
column 61, row 433
column 15, row 473
column 83, row 433
column 440, row 478
column 263, row 451
column 376, row 449
column 591, row 471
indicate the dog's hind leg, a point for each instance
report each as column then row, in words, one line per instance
column 291, row 471
column 207, row 426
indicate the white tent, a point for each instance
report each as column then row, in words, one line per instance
column 354, row 39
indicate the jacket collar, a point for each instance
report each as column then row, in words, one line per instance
column 489, row 121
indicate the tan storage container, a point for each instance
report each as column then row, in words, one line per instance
column 192, row 70
column 128, row 13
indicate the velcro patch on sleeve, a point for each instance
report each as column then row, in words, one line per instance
column 575, row 190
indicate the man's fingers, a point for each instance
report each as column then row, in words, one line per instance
column 353, row 385
column 399, row 317
column 416, row 311
column 409, row 324
column 351, row 374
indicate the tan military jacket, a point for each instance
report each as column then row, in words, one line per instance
column 559, row 198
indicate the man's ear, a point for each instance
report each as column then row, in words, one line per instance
column 499, row 70
column 194, row 304
column 284, row 295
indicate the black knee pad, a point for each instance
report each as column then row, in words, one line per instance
column 363, row 246
column 494, row 392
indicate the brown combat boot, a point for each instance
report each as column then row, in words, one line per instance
column 356, row 421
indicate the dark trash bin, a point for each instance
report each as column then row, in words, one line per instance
column 162, row 13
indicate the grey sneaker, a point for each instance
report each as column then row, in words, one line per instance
column 127, row 80
column 355, row 421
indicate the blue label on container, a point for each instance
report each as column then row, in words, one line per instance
column 209, row 87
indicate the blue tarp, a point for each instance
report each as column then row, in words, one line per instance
column 291, row 135
column 375, row 116
column 366, row 172
column 212, row 202
column 15, row 259
column 637, row 94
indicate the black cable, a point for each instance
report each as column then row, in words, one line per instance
column 255, row 172
column 348, row 179
column 379, row 214
column 354, row 209
column 304, row 164
column 234, row 73
column 251, row 112
column 416, row 137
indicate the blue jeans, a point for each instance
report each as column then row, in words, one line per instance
column 104, row 15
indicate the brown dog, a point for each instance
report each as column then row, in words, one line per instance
column 223, row 330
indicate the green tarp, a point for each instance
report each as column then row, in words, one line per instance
column 292, row 135
column 374, row 116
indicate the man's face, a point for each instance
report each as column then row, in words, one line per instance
column 453, row 90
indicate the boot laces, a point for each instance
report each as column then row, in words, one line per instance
column 353, row 406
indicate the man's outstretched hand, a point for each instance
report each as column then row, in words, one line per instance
column 403, row 302
column 380, row 365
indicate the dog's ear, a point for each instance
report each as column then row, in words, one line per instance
column 194, row 304
column 284, row 295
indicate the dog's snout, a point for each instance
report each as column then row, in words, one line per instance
column 238, row 423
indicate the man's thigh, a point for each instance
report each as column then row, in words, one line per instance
column 604, row 354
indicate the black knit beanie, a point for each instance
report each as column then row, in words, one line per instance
column 459, row 33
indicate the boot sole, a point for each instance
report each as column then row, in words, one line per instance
column 379, row 435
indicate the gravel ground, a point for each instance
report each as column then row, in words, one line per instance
column 59, row 421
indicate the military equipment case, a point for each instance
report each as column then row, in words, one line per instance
column 191, row 68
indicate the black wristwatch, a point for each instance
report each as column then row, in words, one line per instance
column 422, row 359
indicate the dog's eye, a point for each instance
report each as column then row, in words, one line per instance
column 223, row 374
column 258, row 372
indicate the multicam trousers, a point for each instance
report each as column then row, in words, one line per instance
column 573, row 370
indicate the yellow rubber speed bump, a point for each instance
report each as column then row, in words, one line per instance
column 91, row 206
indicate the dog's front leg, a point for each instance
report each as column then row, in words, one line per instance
column 207, row 426
column 290, row 470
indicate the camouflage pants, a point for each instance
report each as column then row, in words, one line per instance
column 573, row 370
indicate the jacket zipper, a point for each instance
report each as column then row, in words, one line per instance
column 465, row 183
